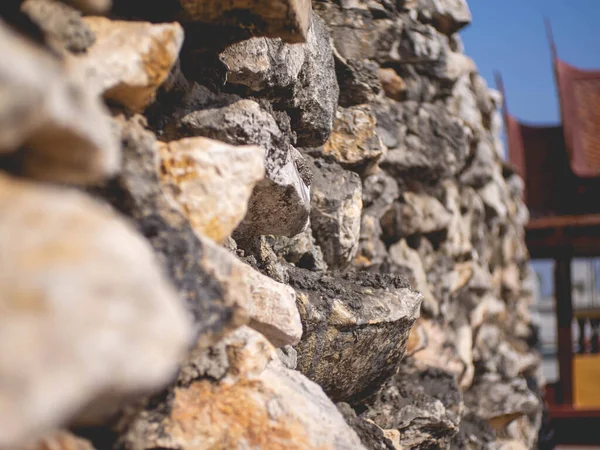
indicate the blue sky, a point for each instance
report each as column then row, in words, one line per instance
column 509, row 36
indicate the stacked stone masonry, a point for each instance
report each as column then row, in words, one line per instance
column 267, row 225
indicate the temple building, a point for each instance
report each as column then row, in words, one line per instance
column 560, row 165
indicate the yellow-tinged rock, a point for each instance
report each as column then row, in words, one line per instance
column 393, row 84
column 287, row 19
column 49, row 111
column 270, row 306
column 87, row 318
column 256, row 403
column 394, row 436
column 130, row 60
column 353, row 141
column 212, row 182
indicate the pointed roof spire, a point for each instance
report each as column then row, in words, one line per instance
column 551, row 41
column 500, row 87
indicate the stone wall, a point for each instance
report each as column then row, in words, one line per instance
column 257, row 225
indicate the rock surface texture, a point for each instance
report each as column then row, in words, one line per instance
column 239, row 395
column 130, row 60
column 198, row 170
column 355, row 327
column 265, row 225
column 48, row 114
column 69, row 314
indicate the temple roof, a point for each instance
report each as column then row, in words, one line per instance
column 579, row 94
column 560, row 163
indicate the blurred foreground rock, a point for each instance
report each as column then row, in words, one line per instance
column 85, row 307
column 238, row 395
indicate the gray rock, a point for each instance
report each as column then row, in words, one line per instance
column 449, row 16
column 495, row 198
column 463, row 102
column 425, row 48
column 287, row 19
column 137, row 193
column 458, row 244
column 409, row 5
column 258, row 253
column 263, row 63
column 425, row 405
column 299, row 79
column 50, row 112
column 516, row 186
column 391, row 122
column 420, row 88
column 418, row 214
column 300, row 250
column 456, row 43
column 356, row 35
column 288, row 356
column 237, row 395
column 315, row 96
column 238, row 122
column 355, row 329
column 370, row 434
column 475, row 208
column 268, row 66
column 221, row 291
column 379, row 193
column 485, row 102
column 419, row 48
column 501, row 401
column 422, row 213
column 85, row 306
column 494, row 352
column 280, row 204
column 336, row 206
column 372, row 253
column 62, row 26
column 179, row 98
column 435, row 146
column 358, row 80
column 435, row 344
column 475, row 433
column 521, row 433
column 402, row 255
column 271, row 306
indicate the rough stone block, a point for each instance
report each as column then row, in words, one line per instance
column 211, row 181
column 88, row 319
column 238, row 395
column 355, row 329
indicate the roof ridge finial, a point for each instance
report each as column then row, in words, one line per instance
column 551, row 41
column 500, row 87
